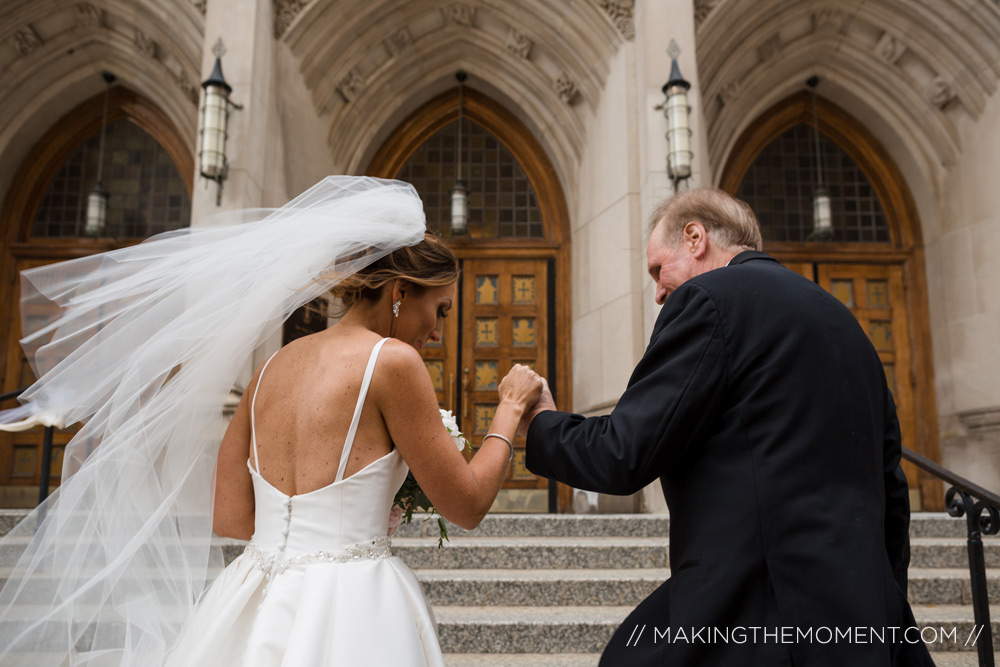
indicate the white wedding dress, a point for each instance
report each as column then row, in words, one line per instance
column 317, row 585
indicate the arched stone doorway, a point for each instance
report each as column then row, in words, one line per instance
column 874, row 264
column 514, row 295
column 148, row 170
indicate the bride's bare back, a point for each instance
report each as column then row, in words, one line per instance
column 304, row 401
column 303, row 408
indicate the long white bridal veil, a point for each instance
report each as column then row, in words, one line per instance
column 148, row 342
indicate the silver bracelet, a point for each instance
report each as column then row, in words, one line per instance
column 505, row 439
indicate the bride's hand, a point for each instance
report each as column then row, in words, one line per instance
column 545, row 402
column 522, row 386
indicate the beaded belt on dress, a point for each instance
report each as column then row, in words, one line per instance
column 272, row 564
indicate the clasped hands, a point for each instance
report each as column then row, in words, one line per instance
column 529, row 391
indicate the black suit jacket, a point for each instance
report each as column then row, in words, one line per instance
column 763, row 409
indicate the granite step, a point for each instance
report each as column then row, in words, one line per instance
column 496, row 629
column 948, row 586
column 955, row 659
column 938, row 524
column 519, row 552
column 922, row 524
column 450, row 660
column 596, row 587
column 579, row 552
column 522, row 660
column 557, row 588
column 590, row 571
column 950, row 552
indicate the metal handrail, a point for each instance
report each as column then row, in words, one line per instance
column 13, row 394
column 981, row 509
column 43, row 478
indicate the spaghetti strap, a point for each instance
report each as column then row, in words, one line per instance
column 345, row 455
column 253, row 402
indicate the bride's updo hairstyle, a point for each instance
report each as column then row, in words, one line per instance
column 430, row 263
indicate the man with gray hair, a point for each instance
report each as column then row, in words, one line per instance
column 763, row 409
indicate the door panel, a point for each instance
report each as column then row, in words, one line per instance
column 501, row 320
column 505, row 322
column 21, row 453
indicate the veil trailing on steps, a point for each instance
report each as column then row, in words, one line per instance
column 147, row 344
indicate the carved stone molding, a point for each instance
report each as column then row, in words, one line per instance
column 200, row 5
column 460, row 14
column 26, row 40
column 145, row 44
column 87, row 15
column 889, row 48
column 285, row 12
column 398, row 41
column 770, row 48
column 940, row 92
column 518, row 44
column 566, row 89
column 349, row 85
column 620, row 12
column 829, row 20
column 702, row 8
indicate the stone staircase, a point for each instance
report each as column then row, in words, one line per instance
column 548, row 591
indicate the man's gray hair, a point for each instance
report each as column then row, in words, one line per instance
column 729, row 221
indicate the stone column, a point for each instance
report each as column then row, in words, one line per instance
column 657, row 23
column 246, row 28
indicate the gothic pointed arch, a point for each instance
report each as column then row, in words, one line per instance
column 922, row 65
column 515, row 297
column 147, row 124
column 53, row 149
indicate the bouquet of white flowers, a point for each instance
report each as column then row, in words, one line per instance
column 411, row 497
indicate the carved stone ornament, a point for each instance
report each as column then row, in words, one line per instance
column 702, row 8
column 145, row 44
column 940, row 93
column 829, row 20
column 566, row 88
column 889, row 48
column 398, row 41
column 349, row 85
column 730, row 92
column 27, row 40
column 200, row 5
column 459, row 14
column 770, row 48
column 189, row 89
column 620, row 12
column 285, row 12
column 518, row 44
column 87, row 15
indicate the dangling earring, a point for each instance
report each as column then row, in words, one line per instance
column 395, row 308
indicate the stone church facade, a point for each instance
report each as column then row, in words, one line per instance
column 565, row 155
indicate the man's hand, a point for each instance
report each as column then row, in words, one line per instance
column 545, row 402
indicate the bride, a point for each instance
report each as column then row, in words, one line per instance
column 112, row 565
